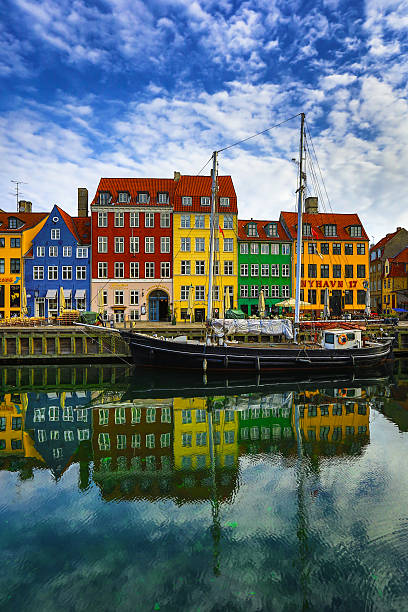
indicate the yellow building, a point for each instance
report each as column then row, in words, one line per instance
column 12, row 435
column 191, row 247
column 191, row 434
column 395, row 284
column 16, row 233
column 335, row 259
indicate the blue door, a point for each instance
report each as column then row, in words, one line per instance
column 153, row 309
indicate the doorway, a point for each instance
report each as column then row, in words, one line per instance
column 158, row 306
column 335, row 303
column 39, row 307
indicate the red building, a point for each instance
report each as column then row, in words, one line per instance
column 132, row 252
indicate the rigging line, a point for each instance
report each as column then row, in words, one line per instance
column 258, row 134
column 206, row 164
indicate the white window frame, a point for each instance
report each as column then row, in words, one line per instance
column 55, row 234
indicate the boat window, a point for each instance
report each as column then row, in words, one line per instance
column 329, row 338
column 351, row 336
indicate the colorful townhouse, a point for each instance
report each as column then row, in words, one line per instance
column 132, row 254
column 191, row 245
column 386, row 248
column 335, row 258
column 17, row 230
column 58, row 262
column 12, row 435
column 264, row 264
column 395, row 284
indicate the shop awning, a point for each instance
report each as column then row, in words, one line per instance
column 67, row 294
column 51, row 294
column 80, row 294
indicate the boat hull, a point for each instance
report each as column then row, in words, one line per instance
column 156, row 352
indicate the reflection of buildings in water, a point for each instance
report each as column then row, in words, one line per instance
column 59, row 424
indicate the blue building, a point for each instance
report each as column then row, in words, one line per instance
column 59, row 258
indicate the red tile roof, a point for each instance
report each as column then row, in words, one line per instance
column 401, row 257
column 133, row 185
column 381, row 243
column 197, row 186
column 29, row 220
column 242, row 234
column 80, row 227
column 397, row 270
column 317, row 220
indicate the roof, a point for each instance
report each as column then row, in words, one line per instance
column 242, row 235
column 401, row 257
column 29, row 220
column 80, row 227
column 317, row 220
column 197, row 186
column 133, row 185
column 381, row 243
column 397, row 269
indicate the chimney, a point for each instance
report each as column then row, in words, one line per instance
column 311, row 205
column 82, row 202
column 399, row 228
column 24, row 206
column 177, row 176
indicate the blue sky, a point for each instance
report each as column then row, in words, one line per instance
column 128, row 88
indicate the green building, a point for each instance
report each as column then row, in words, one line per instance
column 264, row 263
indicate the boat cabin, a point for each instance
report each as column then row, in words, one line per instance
column 342, row 339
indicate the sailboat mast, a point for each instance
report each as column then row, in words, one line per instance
column 299, row 228
column 214, row 189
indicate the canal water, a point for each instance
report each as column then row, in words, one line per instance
column 123, row 492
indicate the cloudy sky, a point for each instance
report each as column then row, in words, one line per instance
column 93, row 88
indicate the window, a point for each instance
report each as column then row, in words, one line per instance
column 355, row 231
column 228, row 245
column 216, row 269
column 149, row 244
column 186, row 439
column 285, row 270
column 243, row 248
column 312, row 248
column 252, row 229
column 311, row 296
column 42, row 435
column 103, row 416
column 52, row 272
column 165, row 269
column 136, row 415
column 16, row 423
column 271, row 229
column 15, row 243
column 81, row 273
column 324, row 248
column 149, row 269
column 224, row 201
column 254, row 269
column 361, row 296
column 254, row 291
column 66, row 273
column 361, row 248
column 348, row 271
column 205, row 201
column 134, row 244
column 274, row 291
column 243, row 269
column 39, row 417
column 134, row 219
column 82, row 252
column 348, row 248
column 200, row 245
column 254, row 248
column 102, row 244
column 53, row 251
column 285, row 249
column 119, row 269
column 336, row 270
column 119, row 219
column 119, row 244
column 102, row 219
column 53, row 413
column 165, row 216
column 55, row 234
column 143, row 198
column 264, row 249
column 185, row 267
column 119, row 297
column 228, row 268
column 285, row 291
column 330, row 230
column 312, row 270
column 265, row 269
column 163, row 198
column 149, row 219
column 102, row 269
column 361, row 271
column 40, row 251
column 243, row 291
column 68, row 435
column 150, row 415
column 184, row 292
column 200, row 292
column 265, row 289
column 2, row 269
column 200, row 267
column 324, row 271
column 165, row 440
column 166, row 415
column 348, row 297
column 38, row 273
column 185, row 245
column 185, row 221
column 187, row 200
column 307, row 229
column 274, row 269
column 104, row 441
column 228, row 222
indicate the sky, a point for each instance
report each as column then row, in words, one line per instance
column 125, row 88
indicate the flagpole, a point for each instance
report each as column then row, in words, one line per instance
column 212, row 237
column 299, row 231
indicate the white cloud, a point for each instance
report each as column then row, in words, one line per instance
column 335, row 80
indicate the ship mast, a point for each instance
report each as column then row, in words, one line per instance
column 299, row 229
column 214, row 193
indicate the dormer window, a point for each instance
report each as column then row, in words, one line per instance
column 307, row 229
column 205, row 201
column 123, row 197
column 224, row 201
column 330, row 230
column 143, row 197
column 104, row 197
column 355, row 231
column 187, row 201
column 14, row 223
column 252, row 229
column 162, row 197
column 271, row 229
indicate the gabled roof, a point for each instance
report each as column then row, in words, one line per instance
column 401, row 257
column 133, row 185
column 318, row 220
column 80, row 227
column 397, row 269
column 29, row 220
column 197, row 186
column 261, row 227
column 381, row 243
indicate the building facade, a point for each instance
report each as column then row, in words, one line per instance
column 335, row 259
column 16, row 232
column 59, row 261
column 386, row 248
column 264, row 264
column 132, row 249
column 191, row 245
column 395, row 285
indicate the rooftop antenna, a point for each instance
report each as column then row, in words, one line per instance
column 17, row 183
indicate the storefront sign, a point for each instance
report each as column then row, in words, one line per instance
column 332, row 284
column 6, row 279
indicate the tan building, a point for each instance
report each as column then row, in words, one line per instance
column 387, row 248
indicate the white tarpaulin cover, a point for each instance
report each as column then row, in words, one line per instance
column 269, row 327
